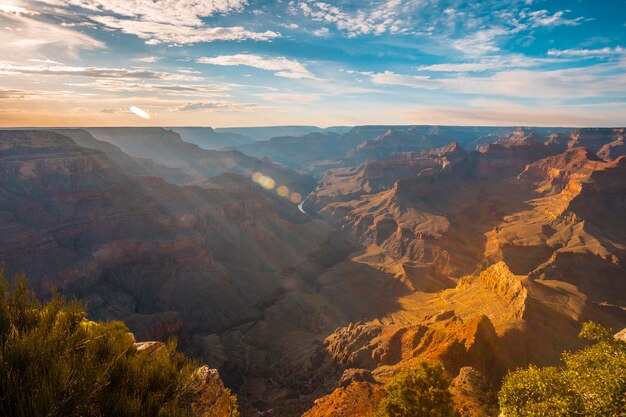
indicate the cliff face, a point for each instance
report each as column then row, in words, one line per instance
column 137, row 244
column 207, row 396
column 537, row 225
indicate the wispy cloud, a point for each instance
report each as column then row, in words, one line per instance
column 148, row 59
column 164, row 21
column 98, row 72
column 415, row 81
column 179, row 12
column 281, row 66
column 216, row 106
column 541, row 18
column 480, row 42
column 25, row 37
column 490, row 63
column 156, row 32
column 509, row 23
column 594, row 81
column 588, row 53
column 132, row 86
column 116, row 110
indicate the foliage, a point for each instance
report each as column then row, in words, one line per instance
column 592, row 382
column 420, row 391
column 53, row 362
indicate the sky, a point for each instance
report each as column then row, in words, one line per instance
column 305, row 62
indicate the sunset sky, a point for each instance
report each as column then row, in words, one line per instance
column 242, row 63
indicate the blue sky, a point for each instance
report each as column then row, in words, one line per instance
column 247, row 62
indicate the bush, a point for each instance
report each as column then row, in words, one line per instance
column 420, row 391
column 592, row 382
column 53, row 362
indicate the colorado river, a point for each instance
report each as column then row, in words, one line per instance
column 301, row 205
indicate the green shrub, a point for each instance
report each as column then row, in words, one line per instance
column 420, row 391
column 53, row 362
column 592, row 382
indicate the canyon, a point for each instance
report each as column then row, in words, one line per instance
column 482, row 248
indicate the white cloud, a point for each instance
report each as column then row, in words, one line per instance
column 391, row 78
column 480, row 42
column 98, row 72
column 587, row 53
column 541, row 18
column 132, row 86
column 14, row 10
column 25, row 37
column 148, row 59
column 385, row 17
column 488, row 64
column 163, row 21
column 157, row 32
column 323, row 32
column 173, row 12
column 281, row 66
column 603, row 80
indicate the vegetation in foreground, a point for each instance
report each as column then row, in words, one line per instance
column 420, row 391
column 592, row 382
column 54, row 362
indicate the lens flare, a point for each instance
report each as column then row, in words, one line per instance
column 139, row 112
column 295, row 198
column 256, row 177
column 267, row 182
column 282, row 191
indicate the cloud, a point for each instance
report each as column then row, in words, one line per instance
column 115, row 110
column 26, row 37
column 385, row 17
column 157, row 32
column 128, row 86
column 14, row 10
column 164, row 21
column 507, row 23
column 148, row 59
column 281, row 66
column 391, row 78
column 178, row 12
column 541, row 18
column 588, row 53
column 323, row 32
column 97, row 72
column 480, row 42
column 602, row 80
column 12, row 94
column 216, row 106
column 488, row 64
